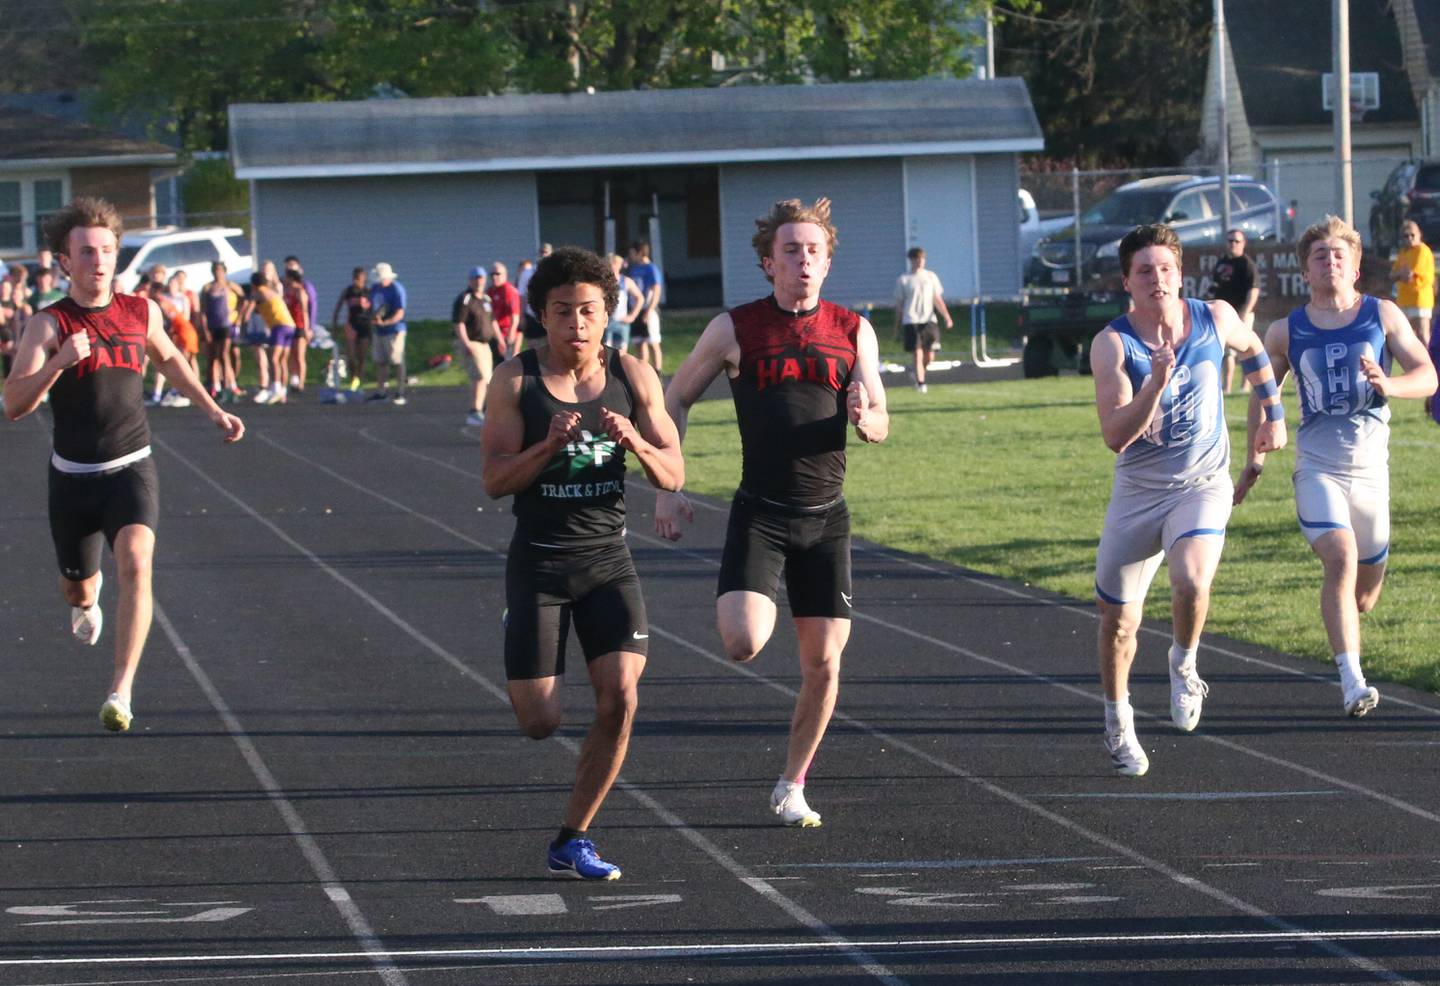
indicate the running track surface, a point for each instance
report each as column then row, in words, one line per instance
column 325, row 782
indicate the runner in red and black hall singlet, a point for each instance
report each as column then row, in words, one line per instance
column 790, row 400
column 101, row 476
column 98, row 404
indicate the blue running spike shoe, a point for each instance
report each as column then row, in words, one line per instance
column 578, row 860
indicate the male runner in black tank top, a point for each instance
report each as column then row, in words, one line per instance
column 560, row 422
column 800, row 370
column 87, row 351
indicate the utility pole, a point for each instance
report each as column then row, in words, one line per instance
column 1224, row 121
column 1340, row 104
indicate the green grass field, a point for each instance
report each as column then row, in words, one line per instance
column 1012, row 478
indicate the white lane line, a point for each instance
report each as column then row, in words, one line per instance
column 319, row 865
column 1089, row 694
column 1015, row 798
column 790, row 907
column 805, row 946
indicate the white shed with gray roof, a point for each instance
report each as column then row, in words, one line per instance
column 433, row 186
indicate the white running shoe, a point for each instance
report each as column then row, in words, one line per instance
column 85, row 623
column 788, row 801
column 1127, row 756
column 115, row 714
column 399, row 400
column 1360, row 699
column 264, row 396
column 1187, row 694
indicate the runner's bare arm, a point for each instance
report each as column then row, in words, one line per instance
column 40, row 358
column 716, row 350
column 1418, row 378
column 1124, row 413
column 865, row 400
column 1277, row 346
column 652, row 437
column 509, row 466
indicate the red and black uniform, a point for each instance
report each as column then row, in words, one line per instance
column 101, row 475
column 568, row 558
column 789, row 512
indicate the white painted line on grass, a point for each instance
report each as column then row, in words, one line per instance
column 709, row 848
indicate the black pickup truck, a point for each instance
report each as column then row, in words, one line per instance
column 1058, row 327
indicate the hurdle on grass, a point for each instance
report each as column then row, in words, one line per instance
column 979, row 351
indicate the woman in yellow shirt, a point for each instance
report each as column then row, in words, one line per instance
column 1414, row 276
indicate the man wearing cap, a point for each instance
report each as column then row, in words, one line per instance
column 387, row 307
column 475, row 340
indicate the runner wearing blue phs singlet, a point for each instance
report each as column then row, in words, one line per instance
column 1158, row 393
column 1340, row 348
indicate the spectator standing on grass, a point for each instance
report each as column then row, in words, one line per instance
column 1340, row 347
column 627, row 308
column 1159, row 396
column 475, row 340
column 387, row 318
column 1235, row 281
column 268, row 305
column 919, row 296
column 506, row 309
column 220, row 302
column 355, row 300
column 530, row 327
column 304, row 334
column 645, row 331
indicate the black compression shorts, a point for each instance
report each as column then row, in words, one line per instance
column 812, row 547
column 82, row 508
column 546, row 589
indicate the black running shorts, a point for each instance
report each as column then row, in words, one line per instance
column 921, row 336
column 547, row 589
column 82, row 508
column 811, row 547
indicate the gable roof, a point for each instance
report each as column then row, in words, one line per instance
column 636, row 127
column 1282, row 48
column 34, row 139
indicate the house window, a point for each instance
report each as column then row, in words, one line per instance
column 12, row 217
column 25, row 203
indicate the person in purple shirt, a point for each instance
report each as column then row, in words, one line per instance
column 305, row 335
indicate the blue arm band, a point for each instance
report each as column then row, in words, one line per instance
column 1266, row 390
column 1252, row 363
column 1275, row 412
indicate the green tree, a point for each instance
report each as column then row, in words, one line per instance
column 1112, row 80
column 182, row 62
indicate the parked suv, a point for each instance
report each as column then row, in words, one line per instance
column 1411, row 192
column 1189, row 204
column 190, row 250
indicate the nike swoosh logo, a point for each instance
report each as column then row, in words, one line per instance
column 846, row 598
column 638, row 635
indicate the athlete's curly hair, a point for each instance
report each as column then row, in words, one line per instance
column 1329, row 228
column 1156, row 234
column 83, row 211
column 571, row 265
column 791, row 211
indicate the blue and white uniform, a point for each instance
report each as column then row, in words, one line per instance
column 1173, row 481
column 1342, row 474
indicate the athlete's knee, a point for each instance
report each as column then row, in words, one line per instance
column 615, row 710
column 134, row 564
column 1188, row 588
column 1119, row 625
column 538, row 724
column 823, row 668
column 1366, row 599
column 741, row 643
